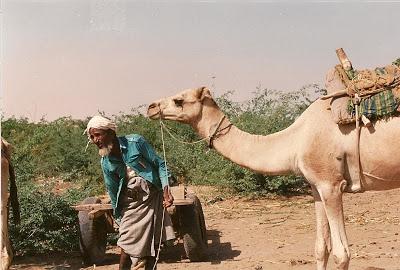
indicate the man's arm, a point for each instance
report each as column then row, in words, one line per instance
column 112, row 190
column 150, row 155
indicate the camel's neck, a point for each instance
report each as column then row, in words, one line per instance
column 273, row 154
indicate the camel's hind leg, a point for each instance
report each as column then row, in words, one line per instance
column 323, row 240
column 331, row 198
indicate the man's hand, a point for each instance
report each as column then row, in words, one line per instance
column 168, row 198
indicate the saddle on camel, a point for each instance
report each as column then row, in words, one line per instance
column 359, row 96
column 362, row 94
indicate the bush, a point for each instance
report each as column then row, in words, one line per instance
column 48, row 223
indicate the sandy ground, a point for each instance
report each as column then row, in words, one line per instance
column 272, row 234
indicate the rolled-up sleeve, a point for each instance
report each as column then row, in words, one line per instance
column 151, row 156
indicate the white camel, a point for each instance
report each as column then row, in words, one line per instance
column 7, row 173
column 313, row 146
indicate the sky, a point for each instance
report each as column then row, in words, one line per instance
column 78, row 57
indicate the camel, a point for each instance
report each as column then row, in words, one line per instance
column 7, row 173
column 313, row 146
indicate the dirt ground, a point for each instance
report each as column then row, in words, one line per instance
column 274, row 233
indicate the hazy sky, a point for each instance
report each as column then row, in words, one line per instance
column 61, row 58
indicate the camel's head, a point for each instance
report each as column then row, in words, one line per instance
column 185, row 107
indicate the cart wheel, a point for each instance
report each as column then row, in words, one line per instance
column 194, row 230
column 93, row 235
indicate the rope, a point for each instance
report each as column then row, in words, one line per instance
column 163, row 214
column 177, row 139
column 209, row 138
column 351, row 82
column 163, row 146
column 162, row 127
column 159, row 244
column 357, row 186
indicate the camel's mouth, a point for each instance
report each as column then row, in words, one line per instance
column 157, row 114
column 154, row 116
column 155, row 111
column 171, row 117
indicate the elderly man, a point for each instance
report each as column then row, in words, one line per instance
column 137, row 182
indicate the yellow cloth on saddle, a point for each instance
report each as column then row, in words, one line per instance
column 367, row 82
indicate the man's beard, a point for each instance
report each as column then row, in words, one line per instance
column 105, row 151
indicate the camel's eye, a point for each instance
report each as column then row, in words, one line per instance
column 178, row 102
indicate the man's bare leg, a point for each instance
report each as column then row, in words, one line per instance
column 150, row 261
column 124, row 261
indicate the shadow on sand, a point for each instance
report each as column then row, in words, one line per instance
column 58, row 261
column 217, row 251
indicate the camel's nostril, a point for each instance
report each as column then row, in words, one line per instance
column 153, row 110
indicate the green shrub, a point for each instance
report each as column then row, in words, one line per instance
column 48, row 223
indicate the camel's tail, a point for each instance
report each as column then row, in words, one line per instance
column 14, row 196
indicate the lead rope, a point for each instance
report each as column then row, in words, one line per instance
column 164, row 126
column 163, row 213
column 209, row 137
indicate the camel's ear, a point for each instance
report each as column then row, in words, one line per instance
column 203, row 93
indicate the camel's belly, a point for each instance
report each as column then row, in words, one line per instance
column 381, row 171
column 379, row 154
column 385, row 170
column 371, row 182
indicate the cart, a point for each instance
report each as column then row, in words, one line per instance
column 96, row 220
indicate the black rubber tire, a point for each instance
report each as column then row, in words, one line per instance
column 92, row 235
column 194, row 230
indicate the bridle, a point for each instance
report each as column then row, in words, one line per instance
column 217, row 132
column 210, row 138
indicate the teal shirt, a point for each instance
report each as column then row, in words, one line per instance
column 137, row 154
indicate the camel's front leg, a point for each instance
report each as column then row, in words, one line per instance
column 331, row 198
column 323, row 241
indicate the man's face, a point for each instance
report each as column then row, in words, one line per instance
column 103, row 139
